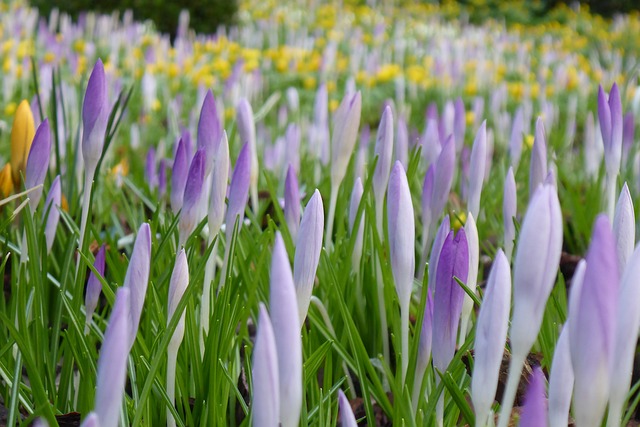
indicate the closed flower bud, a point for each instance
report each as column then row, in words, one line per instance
column 95, row 113
column 209, row 131
column 538, row 167
column 477, row 169
column 624, row 227
column 238, row 190
column 52, row 204
column 194, row 187
column 22, row 133
column 347, row 419
column 94, row 287
column 534, row 411
column 265, row 402
column 219, row 180
column 38, row 163
column 345, row 132
column 179, row 174
column 137, row 278
column 292, row 202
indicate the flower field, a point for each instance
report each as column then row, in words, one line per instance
column 333, row 213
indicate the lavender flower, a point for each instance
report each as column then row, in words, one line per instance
column 560, row 381
column 179, row 175
column 137, row 278
column 238, row 190
column 209, row 131
column 538, row 167
column 112, row 363
column 51, row 210
column 38, row 162
column 286, row 328
column 471, row 231
column 384, row 151
column 308, row 248
column 534, row 411
column 219, row 181
column 624, row 227
column 194, row 187
column 95, row 112
column 94, row 287
column 491, row 334
column 477, row 169
column 247, row 132
column 347, row 419
column 424, row 348
column 265, row 402
column 509, row 208
column 592, row 327
column 292, row 202
column 443, row 178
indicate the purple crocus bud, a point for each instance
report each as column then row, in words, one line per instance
column 347, row 419
column 177, row 287
column 448, row 298
column 509, row 211
column 471, row 232
column 459, row 123
column 90, row 421
column 238, row 190
column 286, row 328
column 477, row 168
column 209, row 131
column 356, row 196
column 137, row 278
column 427, row 192
column 162, row 178
column 150, row 169
column 265, row 402
column 436, row 248
column 560, row 381
column 424, row 347
column 292, row 202
column 535, row 266
column 94, row 287
column 247, row 132
column 345, row 132
column 538, row 167
column 515, row 142
column 611, row 127
column 292, row 144
column 401, row 233
column 443, row 178
column 384, row 152
column 624, row 227
column 112, row 363
column 627, row 325
column 628, row 133
column 179, row 175
column 308, row 248
column 219, row 179
column 491, row 334
column 190, row 214
column 402, row 142
column 534, row 410
column 52, row 212
column 431, row 142
column 592, row 327
column 95, row 113
column 38, row 162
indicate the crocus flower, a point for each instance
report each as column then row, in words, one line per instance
column 239, row 190
column 179, row 174
column 190, row 214
column 471, row 231
column 137, row 278
column 286, row 329
column 477, row 169
column 534, row 411
column 509, row 207
column 265, row 402
column 611, row 127
column 292, row 202
column 177, row 287
column 347, row 419
column 112, row 363
column 427, row 220
column 94, row 288
column 560, row 381
column 538, row 166
column 22, row 133
column 38, row 162
column 592, row 327
column 51, row 206
column 384, row 151
column 448, row 298
column 624, row 227
column 443, row 178
column 209, row 131
column 162, row 178
column 431, row 142
column 247, row 132
column 95, row 112
column 402, row 142
column 627, row 325
column 356, row 196
column 515, row 142
column 343, row 140
column 90, row 421
column 491, row 334
column 401, row 230
column 308, row 248
column 424, row 348
column 436, row 248
column 534, row 273
column 6, row 181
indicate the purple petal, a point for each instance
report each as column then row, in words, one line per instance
column 436, row 248
column 137, row 278
column 209, row 130
column 292, row 202
column 443, row 178
column 38, row 162
column 534, row 411
column 509, row 211
column 94, row 287
column 604, row 116
column 52, row 205
column 179, row 175
column 459, row 123
column 265, row 402
column 219, row 180
column 560, row 381
column 538, row 167
column 238, row 190
column 94, row 116
column 193, row 194
column 384, row 152
column 477, row 169
column 347, row 419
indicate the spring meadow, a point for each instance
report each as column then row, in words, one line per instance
column 328, row 213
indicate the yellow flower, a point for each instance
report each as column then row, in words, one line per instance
column 458, row 219
column 469, row 117
column 309, row 82
column 528, row 140
column 333, row 105
column 388, row 72
column 6, row 181
column 10, row 109
column 22, row 134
